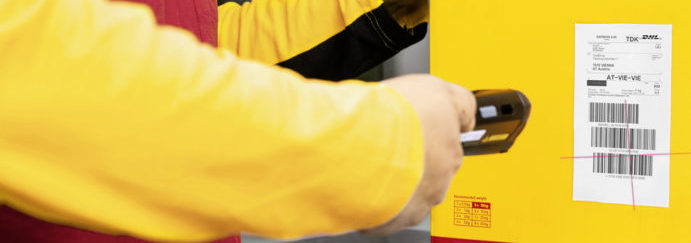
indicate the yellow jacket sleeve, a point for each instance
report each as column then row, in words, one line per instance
column 110, row 123
column 327, row 39
column 276, row 30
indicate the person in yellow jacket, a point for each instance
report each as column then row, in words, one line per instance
column 110, row 123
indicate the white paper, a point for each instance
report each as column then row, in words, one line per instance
column 621, row 150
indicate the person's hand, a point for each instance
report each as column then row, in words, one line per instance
column 408, row 13
column 445, row 111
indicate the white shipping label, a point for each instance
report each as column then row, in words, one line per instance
column 622, row 113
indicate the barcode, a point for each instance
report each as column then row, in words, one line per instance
column 622, row 164
column 611, row 137
column 614, row 113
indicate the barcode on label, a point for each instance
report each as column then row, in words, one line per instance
column 623, row 164
column 614, row 113
column 612, row 137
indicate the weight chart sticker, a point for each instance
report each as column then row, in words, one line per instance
column 622, row 113
column 472, row 211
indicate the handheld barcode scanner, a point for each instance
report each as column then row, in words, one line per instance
column 500, row 118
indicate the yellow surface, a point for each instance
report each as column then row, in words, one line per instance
column 110, row 123
column 529, row 46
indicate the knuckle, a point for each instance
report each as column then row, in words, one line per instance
column 452, row 145
column 453, row 157
column 417, row 218
column 472, row 102
column 439, row 198
column 457, row 154
column 458, row 164
column 471, row 125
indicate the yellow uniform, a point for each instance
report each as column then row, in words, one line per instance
column 110, row 123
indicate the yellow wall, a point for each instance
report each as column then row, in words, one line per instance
column 529, row 45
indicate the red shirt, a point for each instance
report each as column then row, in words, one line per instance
column 198, row 16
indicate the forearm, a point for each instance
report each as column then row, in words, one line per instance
column 110, row 123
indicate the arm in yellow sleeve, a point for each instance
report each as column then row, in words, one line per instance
column 110, row 123
column 326, row 39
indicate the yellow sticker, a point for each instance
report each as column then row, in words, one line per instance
column 496, row 137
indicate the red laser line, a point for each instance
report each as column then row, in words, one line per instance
column 628, row 144
column 633, row 198
column 622, row 155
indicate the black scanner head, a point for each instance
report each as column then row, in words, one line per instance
column 500, row 118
